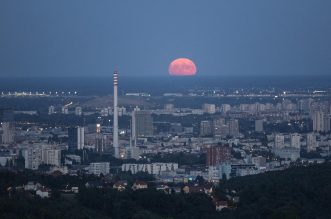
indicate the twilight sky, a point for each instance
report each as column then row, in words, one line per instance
column 141, row 37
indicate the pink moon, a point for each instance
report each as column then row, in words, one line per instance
column 182, row 67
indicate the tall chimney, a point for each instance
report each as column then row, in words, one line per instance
column 115, row 125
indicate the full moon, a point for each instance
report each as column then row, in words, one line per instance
column 182, row 67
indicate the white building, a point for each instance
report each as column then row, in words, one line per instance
column 311, row 142
column 152, row 168
column 99, row 168
column 51, row 156
column 42, row 154
column 206, row 128
column 226, row 108
column 209, row 108
column 78, row 111
column 234, row 127
column 279, row 141
column 65, row 110
column 80, row 138
column 287, row 153
column 296, row 141
column 51, row 110
column 8, row 135
column 33, row 158
column 321, row 122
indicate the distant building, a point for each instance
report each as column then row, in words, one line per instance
column 217, row 126
column 65, row 110
column 151, row 168
column 296, row 141
column 8, row 135
column 78, row 111
column 259, row 125
column 41, row 154
column 321, row 122
column 169, row 107
column 259, row 162
column 139, row 185
column 209, row 108
column 234, row 128
column 311, row 142
column 217, row 155
column 206, row 128
column 33, row 158
column 76, row 138
column 279, row 141
column 142, row 123
column 99, row 168
column 51, row 110
column 132, row 153
column 226, row 108
column 102, row 142
column 287, row 153
column 51, row 156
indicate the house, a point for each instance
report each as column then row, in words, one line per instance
column 208, row 189
column 164, row 188
column 176, row 189
column 43, row 192
column 94, row 184
column 32, row 186
column 193, row 189
column 75, row 189
column 139, row 185
column 219, row 205
column 120, row 185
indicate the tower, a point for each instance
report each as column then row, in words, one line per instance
column 115, row 125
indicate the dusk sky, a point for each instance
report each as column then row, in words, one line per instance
column 141, row 37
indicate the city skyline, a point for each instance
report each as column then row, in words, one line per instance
column 165, row 109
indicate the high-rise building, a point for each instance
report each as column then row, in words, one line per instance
column 115, row 119
column 259, row 125
column 279, row 141
column 51, row 156
column 217, row 155
column 78, row 111
column 226, row 108
column 76, row 138
column 65, row 110
column 217, row 126
column 296, row 141
column 209, row 108
column 8, row 126
column 206, row 128
column 321, row 122
column 142, row 124
column 311, row 142
column 8, row 135
column 33, row 158
column 234, row 127
column 102, row 142
column 51, row 110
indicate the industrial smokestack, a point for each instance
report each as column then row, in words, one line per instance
column 115, row 125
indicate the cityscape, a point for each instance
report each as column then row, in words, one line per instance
column 181, row 144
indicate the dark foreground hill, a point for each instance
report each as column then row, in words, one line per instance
column 300, row 192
